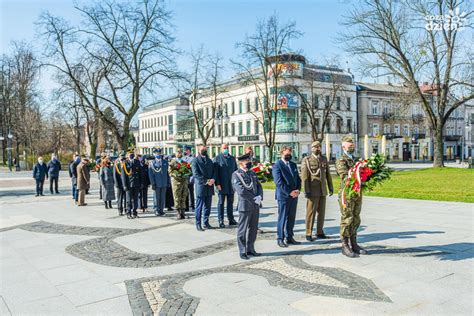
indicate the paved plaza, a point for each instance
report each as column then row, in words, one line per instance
column 58, row 259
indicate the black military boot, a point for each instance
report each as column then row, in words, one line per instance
column 106, row 205
column 110, row 204
column 356, row 248
column 346, row 248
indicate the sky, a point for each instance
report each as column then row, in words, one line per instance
column 215, row 24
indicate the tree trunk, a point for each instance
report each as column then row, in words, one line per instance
column 270, row 152
column 438, row 148
column 93, row 152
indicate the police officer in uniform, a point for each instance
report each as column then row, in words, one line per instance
column 250, row 193
column 121, row 200
column 317, row 181
column 131, row 181
column 350, row 213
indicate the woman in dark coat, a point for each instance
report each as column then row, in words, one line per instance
column 106, row 176
column 169, row 199
column 143, row 194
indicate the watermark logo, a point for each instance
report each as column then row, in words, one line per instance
column 454, row 20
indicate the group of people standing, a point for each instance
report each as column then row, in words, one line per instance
column 128, row 178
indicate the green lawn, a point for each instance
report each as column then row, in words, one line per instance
column 445, row 184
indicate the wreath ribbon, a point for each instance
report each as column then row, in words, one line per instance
column 354, row 172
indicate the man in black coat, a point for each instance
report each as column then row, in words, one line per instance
column 204, row 179
column 131, row 181
column 143, row 195
column 225, row 166
column 40, row 171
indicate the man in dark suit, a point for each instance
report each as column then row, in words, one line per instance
column 288, row 185
column 40, row 171
column 159, row 180
column 225, row 165
column 73, row 175
column 204, row 179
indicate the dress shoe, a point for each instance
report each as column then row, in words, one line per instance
column 282, row 244
column 52, row 192
column 233, row 223
column 42, row 194
column 244, row 256
column 208, row 226
column 221, row 225
column 292, row 241
column 36, row 195
column 309, row 238
column 128, row 216
column 199, row 228
column 57, row 192
column 253, row 253
column 322, row 236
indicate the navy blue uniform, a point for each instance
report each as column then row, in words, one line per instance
column 203, row 170
column 225, row 165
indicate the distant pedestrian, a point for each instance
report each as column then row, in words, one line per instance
column 106, row 176
column 121, row 196
column 40, row 172
column 83, row 180
column 73, row 175
column 159, row 179
column 54, row 166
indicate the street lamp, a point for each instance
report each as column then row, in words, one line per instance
column 9, row 148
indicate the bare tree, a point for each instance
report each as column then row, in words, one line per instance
column 400, row 38
column 124, row 48
column 203, row 91
column 260, row 66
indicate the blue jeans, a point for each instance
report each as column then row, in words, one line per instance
column 203, row 209
column 286, row 217
column 229, row 207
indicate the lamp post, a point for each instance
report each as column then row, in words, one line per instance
column 9, row 148
column 1, row 141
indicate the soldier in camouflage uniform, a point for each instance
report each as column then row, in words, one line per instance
column 350, row 215
column 179, row 185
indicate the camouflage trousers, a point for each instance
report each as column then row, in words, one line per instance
column 350, row 217
column 180, row 192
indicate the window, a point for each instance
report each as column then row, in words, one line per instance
column 327, row 101
column 207, row 113
column 232, row 107
column 248, row 106
column 226, row 108
column 241, row 127
column 256, row 127
column 257, row 152
column 241, row 110
column 317, row 123
column 226, row 129
column 170, row 125
column 375, row 108
column 166, row 123
column 349, row 125
column 241, row 150
column 256, row 104
column 232, row 129
column 396, row 129
column 386, row 108
column 304, row 121
column 249, row 132
column 328, row 125
column 416, row 130
column 338, row 125
column 375, row 129
column 406, row 130
column 213, row 132
column 162, row 124
column 315, row 101
column 166, row 135
column 386, row 128
column 348, row 103
column 338, row 103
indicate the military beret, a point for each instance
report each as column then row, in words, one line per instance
column 187, row 147
column 244, row 157
column 316, row 143
column 347, row 139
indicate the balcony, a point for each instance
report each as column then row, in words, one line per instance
column 388, row 115
column 453, row 138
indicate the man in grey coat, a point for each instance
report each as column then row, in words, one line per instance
column 250, row 193
column 225, row 166
column 159, row 180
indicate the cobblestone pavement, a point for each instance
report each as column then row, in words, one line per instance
column 165, row 295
